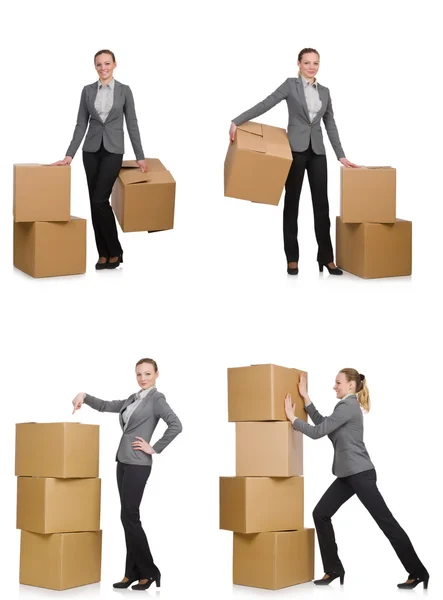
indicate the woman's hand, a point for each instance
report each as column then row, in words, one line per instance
column 78, row 401
column 66, row 161
column 232, row 131
column 143, row 166
column 347, row 163
column 289, row 408
column 141, row 444
column 303, row 386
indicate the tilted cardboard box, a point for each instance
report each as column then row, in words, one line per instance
column 41, row 193
column 50, row 249
column 48, row 505
column 56, row 450
column 257, row 504
column 144, row 201
column 257, row 163
column 257, row 393
column 273, row 560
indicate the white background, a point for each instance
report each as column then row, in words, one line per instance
column 214, row 293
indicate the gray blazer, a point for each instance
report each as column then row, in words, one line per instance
column 111, row 131
column 300, row 129
column 141, row 423
column 345, row 430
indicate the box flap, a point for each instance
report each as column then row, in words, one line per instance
column 277, row 143
column 250, row 137
column 135, row 176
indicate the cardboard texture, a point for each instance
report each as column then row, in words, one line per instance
column 273, row 560
column 257, row 504
column 144, row 201
column 257, row 393
column 41, row 193
column 48, row 505
column 270, row 449
column 65, row 450
column 50, row 249
column 372, row 250
column 257, row 163
column 368, row 195
column 60, row 561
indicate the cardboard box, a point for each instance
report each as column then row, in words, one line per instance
column 368, row 195
column 273, row 560
column 270, row 449
column 41, row 193
column 50, row 249
column 256, row 504
column 144, row 201
column 60, row 561
column 257, row 163
column 372, row 250
column 56, row 450
column 257, row 393
column 48, row 505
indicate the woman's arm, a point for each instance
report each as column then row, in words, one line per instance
column 338, row 418
column 280, row 94
column 132, row 124
column 81, row 126
column 313, row 413
column 113, row 406
column 165, row 412
column 332, row 131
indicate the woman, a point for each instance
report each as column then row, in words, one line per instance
column 138, row 415
column 355, row 475
column 102, row 106
column 308, row 102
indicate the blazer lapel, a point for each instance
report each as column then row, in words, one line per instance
column 142, row 403
column 91, row 93
column 131, row 399
column 302, row 97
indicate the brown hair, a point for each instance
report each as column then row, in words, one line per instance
column 150, row 361
column 306, row 51
column 104, row 52
column 361, row 387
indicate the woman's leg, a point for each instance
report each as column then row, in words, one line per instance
column 293, row 187
column 318, row 181
column 140, row 564
column 130, row 567
column 336, row 495
column 91, row 162
column 102, row 214
column 365, row 486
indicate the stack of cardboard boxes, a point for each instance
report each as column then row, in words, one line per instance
column 48, row 241
column 264, row 504
column 371, row 242
column 144, row 201
column 58, row 504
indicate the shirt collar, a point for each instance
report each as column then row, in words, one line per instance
column 110, row 85
column 143, row 393
column 306, row 82
column 348, row 396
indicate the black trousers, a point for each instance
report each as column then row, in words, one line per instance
column 102, row 169
column 315, row 165
column 363, row 484
column 131, row 481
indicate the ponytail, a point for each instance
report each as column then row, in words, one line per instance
column 361, row 387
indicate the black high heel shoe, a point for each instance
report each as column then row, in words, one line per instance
column 412, row 582
column 101, row 265
column 121, row 585
column 331, row 576
column 292, row 270
column 114, row 264
column 335, row 271
column 150, row 581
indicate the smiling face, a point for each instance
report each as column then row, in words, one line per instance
column 104, row 65
column 343, row 387
column 309, row 65
column 146, row 375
